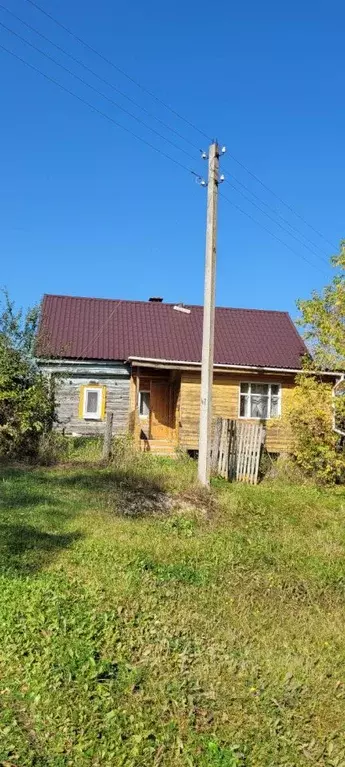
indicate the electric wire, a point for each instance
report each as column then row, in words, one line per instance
column 95, row 109
column 118, row 69
column 289, row 207
column 245, row 213
column 88, row 85
column 98, row 111
column 98, row 333
column 276, row 213
column 95, row 74
column 177, row 114
column 284, row 229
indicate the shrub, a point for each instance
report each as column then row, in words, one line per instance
column 26, row 407
column 315, row 446
column 26, row 403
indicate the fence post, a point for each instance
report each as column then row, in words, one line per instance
column 232, row 450
column 216, row 445
column 108, row 433
column 227, row 448
column 261, row 441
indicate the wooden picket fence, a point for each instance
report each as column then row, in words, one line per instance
column 236, row 450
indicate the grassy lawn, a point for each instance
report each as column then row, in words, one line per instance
column 177, row 639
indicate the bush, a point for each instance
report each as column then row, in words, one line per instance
column 315, row 446
column 26, row 403
column 26, row 407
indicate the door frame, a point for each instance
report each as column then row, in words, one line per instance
column 168, row 427
column 142, row 380
column 145, row 422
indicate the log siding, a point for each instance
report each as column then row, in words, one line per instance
column 226, row 396
column 68, row 383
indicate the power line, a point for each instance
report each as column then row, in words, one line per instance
column 177, row 114
column 84, row 82
column 151, row 146
column 268, row 189
column 79, row 62
column 271, row 233
column 118, row 69
column 239, row 191
column 102, row 79
column 166, row 125
column 276, row 213
column 98, row 111
column 98, row 333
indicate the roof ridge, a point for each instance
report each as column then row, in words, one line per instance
column 165, row 303
column 95, row 298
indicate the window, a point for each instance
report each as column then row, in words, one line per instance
column 93, row 402
column 144, row 404
column 258, row 400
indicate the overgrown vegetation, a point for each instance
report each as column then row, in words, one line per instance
column 315, row 445
column 169, row 637
column 26, row 406
column 323, row 318
column 312, row 412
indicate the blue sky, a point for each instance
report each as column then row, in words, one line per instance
column 86, row 209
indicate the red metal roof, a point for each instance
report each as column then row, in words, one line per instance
column 107, row 329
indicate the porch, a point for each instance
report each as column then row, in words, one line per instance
column 154, row 409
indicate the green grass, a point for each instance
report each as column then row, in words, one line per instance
column 208, row 635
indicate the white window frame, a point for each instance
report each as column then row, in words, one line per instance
column 256, row 417
column 143, row 391
column 93, row 416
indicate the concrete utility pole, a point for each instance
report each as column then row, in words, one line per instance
column 209, row 313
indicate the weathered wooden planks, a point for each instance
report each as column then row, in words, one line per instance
column 236, row 450
column 68, row 395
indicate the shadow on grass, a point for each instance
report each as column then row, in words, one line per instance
column 25, row 550
column 120, row 490
column 118, row 477
column 22, row 498
column 29, row 505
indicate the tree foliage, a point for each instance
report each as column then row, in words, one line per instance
column 26, row 406
column 312, row 411
column 323, row 318
column 314, row 443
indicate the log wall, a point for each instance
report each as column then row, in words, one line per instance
column 226, row 395
column 67, row 393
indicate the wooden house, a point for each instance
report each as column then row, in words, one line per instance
column 141, row 359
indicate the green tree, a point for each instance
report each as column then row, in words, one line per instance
column 323, row 318
column 17, row 330
column 316, row 446
column 26, row 405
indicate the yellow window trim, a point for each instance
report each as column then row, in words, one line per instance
column 82, row 398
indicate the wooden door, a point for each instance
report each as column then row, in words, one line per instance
column 160, row 410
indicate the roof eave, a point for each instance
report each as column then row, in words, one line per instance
column 188, row 364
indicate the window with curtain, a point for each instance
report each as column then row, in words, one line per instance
column 259, row 400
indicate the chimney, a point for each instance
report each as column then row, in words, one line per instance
column 156, row 300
